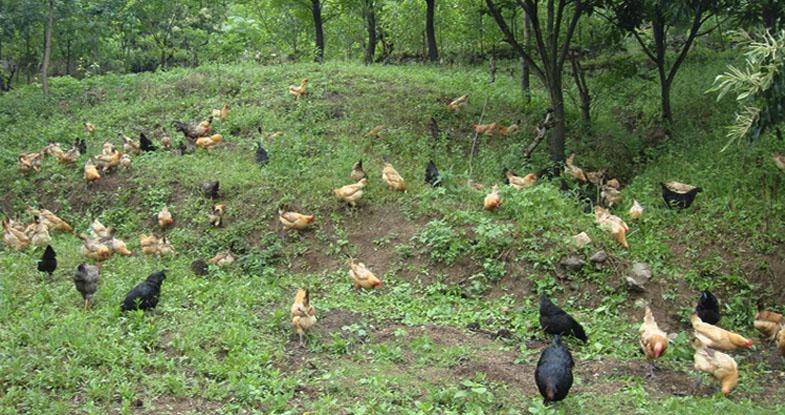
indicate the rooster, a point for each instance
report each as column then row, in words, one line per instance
column 303, row 314
column 653, row 340
column 298, row 91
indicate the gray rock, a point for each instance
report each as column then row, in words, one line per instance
column 572, row 263
column 599, row 257
column 639, row 276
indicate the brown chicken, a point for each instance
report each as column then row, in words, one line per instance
column 191, row 131
column 357, row 171
column 457, row 103
column 508, row 131
column 361, row 276
column 165, row 218
column 573, row 170
column 294, row 220
column 299, row 91
column 717, row 338
column 487, row 129
column 492, row 200
column 209, row 142
column 636, row 210
column 612, row 224
column 165, row 248
column 89, row 128
column 375, row 132
column 52, row 221
column 94, row 249
column 118, row 246
column 519, row 183
column 653, row 340
column 30, row 161
column 781, row 341
column 222, row 113
column 392, row 178
column 99, row 231
column 351, row 193
column 769, row 323
column 151, row 245
column 91, row 172
column 216, row 215
column 717, row 364
column 614, row 183
column 125, row 161
column 610, row 196
column 595, row 177
column 39, row 235
column 109, row 158
column 70, row 156
column 129, row 145
column 303, row 314
column 222, row 259
column 166, row 142
column 13, row 237
column 53, row 150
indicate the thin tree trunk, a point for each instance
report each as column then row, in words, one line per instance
column 316, row 9
column 370, row 49
column 47, row 48
column 559, row 132
column 433, row 53
column 525, row 72
column 583, row 90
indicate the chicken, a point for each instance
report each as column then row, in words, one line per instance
column 209, row 142
column 150, row 245
column 708, row 308
column 610, row 196
column 653, row 340
column 166, row 142
column 613, row 183
column 357, row 171
column 487, row 129
column 574, row 170
column 222, row 113
column 216, row 215
column 94, row 250
column 781, row 341
column 165, row 248
column 519, row 183
column 392, row 178
column 298, row 91
column 769, row 324
column 193, row 131
column 679, row 195
column 222, row 259
column 145, row 144
column 595, row 177
column 261, row 155
column 432, row 176
column 351, row 193
column 554, row 372
column 54, row 150
column 779, row 160
column 30, row 161
column 125, row 161
column 492, row 200
column 636, row 210
column 80, row 144
column 39, row 237
column 457, row 103
column 13, row 237
column 294, row 220
column 362, row 276
column 717, row 338
column 165, row 218
column 48, row 261
column 89, row 128
column 129, row 145
column 118, row 246
column 200, row 268
column 145, row 295
column 612, row 224
column 210, row 189
column 86, row 278
column 554, row 320
column 52, row 221
column 70, row 156
column 91, row 172
column 717, row 364
column 508, row 131
column 108, row 159
column 303, row 314
column 99, row 231
column 375, row 132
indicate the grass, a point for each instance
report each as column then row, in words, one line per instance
column 223, row 344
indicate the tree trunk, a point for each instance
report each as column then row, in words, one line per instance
column 525, row 72
column 559, row 130
column 370, row 48
column 665, row 94
column 47, row 48
column 433, row 53
column 769, row 16
column 583, row 90
column 658, row 31
column 316, row 9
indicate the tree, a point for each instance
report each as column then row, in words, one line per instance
column 552, row 44
column 433, row 53
column 770, row 13
column 660, row 16
column 316, row 10
column 47, row 47
column 370, row 20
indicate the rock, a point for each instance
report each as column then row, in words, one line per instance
column 572, row 263
column 599, row 257
column 581, row 239
column 640, row 275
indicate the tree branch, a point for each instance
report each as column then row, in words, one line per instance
column 696, row 25
column 645, row 48
column 570, row 32
column 510, row 38
column 531, row 11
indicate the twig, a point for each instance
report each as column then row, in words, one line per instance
column 542, row 129
column 474, row 140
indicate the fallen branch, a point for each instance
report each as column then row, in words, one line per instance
column 542, row 129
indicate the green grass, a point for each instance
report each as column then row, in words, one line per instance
column 223, row 343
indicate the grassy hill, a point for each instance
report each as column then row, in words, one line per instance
column 454, row 329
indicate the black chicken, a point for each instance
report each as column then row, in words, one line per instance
column 708, row 308
column 554, row 372
column 145, row 295
column 86, row 279
column 145, row 144
column 199, row 268
column 81, row 145
column 48, row 262
column 261, row 155
column 432, row 176
column 210, row 189
column 555, row 321
column 679, row 195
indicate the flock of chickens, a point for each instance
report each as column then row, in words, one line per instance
column 553, row 374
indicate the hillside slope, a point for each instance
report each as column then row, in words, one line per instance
column 454, row 329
